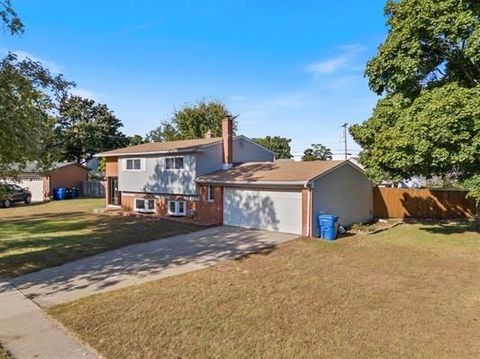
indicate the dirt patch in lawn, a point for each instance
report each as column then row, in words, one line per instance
column 45, row 235
column 408, row 292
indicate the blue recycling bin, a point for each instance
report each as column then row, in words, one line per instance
column 59, row 193
column 75, row 192
column 328, row 226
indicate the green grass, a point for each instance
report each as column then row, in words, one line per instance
column 44, row 235
column 410, row 292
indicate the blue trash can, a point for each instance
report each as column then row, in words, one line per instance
column 328, row 226
column 59, row 193
column 75, row 192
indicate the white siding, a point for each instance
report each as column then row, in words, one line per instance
column 245, row 151
column 344, row 192
column 263, row 209
column 155, row 178
column 210, row 159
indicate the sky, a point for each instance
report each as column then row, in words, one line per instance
column 287, row 68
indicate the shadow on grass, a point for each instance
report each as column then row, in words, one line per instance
column 104, row 270
column 446, row 227
column 59, row 238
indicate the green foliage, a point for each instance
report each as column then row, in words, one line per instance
column 29, row 95
column 435, row 134
column 85, row 128
column 279, row 145
column 9, row 18
column 192, row 121
column 135, row 140
column 429, row 43
column 428, row 68
column 472, row 184
column 317, row 152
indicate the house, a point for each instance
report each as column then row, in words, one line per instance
column 234, row 181
column 41, row 184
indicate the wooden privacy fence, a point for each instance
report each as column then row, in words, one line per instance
column 421, row 203
column 93, row 189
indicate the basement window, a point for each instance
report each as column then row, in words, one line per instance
column 145, row 205
column 177, row 208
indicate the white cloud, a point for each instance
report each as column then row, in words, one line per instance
column 345, row 60
column 51, row 65
column 327, row 66
column 78, row 91
column 136, row 28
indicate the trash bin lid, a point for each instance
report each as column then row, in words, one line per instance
column 328, row 217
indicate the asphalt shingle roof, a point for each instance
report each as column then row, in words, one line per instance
column 279, row 171
column 155, row 147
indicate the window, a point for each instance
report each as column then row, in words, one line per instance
column 145, row 205
column 172, row 163
column 133, row 164
column 211, row 194
column 177, row 208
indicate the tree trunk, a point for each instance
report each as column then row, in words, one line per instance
column 476, row 223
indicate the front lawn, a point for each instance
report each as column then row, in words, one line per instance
column 410, row 292
column 44, row 235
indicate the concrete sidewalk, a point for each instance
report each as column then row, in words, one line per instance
column 27, row 332
column 143, row 262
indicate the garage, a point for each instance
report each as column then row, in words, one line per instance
column 35, row 186
column 288, row 196
column 273, row 210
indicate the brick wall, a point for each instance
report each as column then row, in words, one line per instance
column 68, row 176
column 204, row 211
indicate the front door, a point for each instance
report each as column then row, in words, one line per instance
column 113, row 192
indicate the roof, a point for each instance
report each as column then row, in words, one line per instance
column 32, row 167
column 279, row 172
column 158, row 147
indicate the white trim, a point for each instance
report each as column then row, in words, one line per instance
column 145, row 209
column 177, row 208
column 210, row 190
column 142, row 164
column 174, row 163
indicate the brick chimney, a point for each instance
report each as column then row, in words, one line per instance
column 227, row 135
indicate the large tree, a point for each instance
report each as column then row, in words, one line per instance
column 317, row 152
column 192, row 121
column 29, row 96
column 86, row 127
column 279, row 145
column 428, row 71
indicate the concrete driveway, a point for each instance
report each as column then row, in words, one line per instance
column 143, row 262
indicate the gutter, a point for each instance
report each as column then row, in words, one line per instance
column 106, row 154
column 258, row 183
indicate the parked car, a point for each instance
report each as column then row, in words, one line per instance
column 11, row 193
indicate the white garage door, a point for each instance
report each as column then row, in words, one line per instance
column 35, row 186
column 270, row 210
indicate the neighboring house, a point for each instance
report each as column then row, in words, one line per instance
column 41, row 184
column 234, row 181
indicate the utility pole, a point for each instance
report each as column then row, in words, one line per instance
column 345, row 139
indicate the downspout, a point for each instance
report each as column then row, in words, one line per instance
column 309, row 210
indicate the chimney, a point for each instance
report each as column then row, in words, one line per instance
column 209, row 134
column 227, row 135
